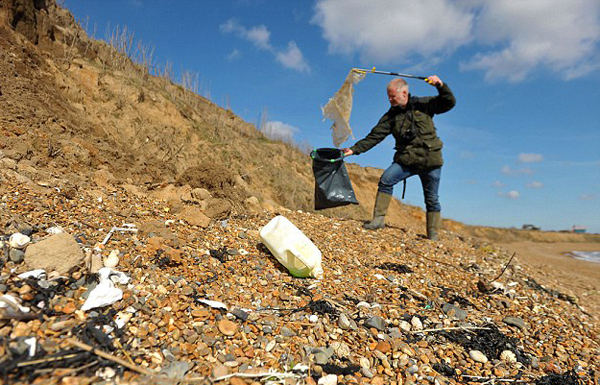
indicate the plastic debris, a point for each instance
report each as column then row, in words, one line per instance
column 106, row 293
column 213, row 304
column 339, row 108
column 37, row 274
column 126, row 227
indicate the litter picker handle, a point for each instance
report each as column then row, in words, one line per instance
column 373, row 71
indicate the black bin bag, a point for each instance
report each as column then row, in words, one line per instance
column 332, row 183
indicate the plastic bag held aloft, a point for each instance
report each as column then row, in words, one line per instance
column 339, row 108
column 332, row 182
column 292, row 248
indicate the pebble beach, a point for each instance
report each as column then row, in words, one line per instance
column 208, row 303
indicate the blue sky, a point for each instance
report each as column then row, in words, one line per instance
column 522, row 144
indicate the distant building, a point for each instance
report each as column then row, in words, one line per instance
column 578, row 229
column 531, row 227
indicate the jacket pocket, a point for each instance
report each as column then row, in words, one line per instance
column 423, row 124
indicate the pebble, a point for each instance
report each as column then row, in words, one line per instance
column 227, row 327
column 478, row 356
column 16, row 255
column 416, row 323
column 514, row 321
column 454, row 311
column 330, row 379
column 376, row 322
column 343, row 322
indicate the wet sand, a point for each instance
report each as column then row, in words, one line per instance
column 561, row 272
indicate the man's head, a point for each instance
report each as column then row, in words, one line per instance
column 397, row 91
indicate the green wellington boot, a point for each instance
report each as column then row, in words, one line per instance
column 382, row 202
column 434, row 220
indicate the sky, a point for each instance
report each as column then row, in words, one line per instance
column 522, row 145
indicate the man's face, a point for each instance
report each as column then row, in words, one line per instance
column 397, row 97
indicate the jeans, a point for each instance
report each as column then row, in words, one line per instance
column 430, row 180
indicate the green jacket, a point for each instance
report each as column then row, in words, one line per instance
column 417, row 143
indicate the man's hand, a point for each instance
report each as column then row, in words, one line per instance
column 434, row 81
column 347, row 151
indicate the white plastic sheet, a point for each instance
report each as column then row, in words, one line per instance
column 339, row 108
column 106, row 293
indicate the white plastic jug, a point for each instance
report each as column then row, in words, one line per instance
column 292, row 248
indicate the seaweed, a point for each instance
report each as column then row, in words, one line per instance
column 567, row 378
column 323, row 307
column 490, row 341
column 397, row 267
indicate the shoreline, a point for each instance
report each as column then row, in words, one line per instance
column 557, row 269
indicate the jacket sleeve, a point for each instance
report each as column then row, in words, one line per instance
column 439, row 104
column 377, row 134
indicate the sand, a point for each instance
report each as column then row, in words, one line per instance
column 560, row 272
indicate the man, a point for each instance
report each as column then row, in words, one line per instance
column 418, row 148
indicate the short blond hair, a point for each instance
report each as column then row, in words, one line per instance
column 399, row 84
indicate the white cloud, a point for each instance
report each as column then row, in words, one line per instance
column 513, row 194
column 293, row 58
column 498, row 184
column 392, row 30
column 530, row 158
column 466, row 155
column 524, row 35
column 260, row 36
column 279, row 131
column 588, row 197
column 514, row 37
column 535, row 184
column 234, row 55
column 507, row 170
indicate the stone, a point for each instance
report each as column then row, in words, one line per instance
column 59, row 252
column 416, row 323
column 376, row 322
column 454, row 311
column 341, row 349
column 16, row 255
column 330, row 379
column 220, row 371
column 514, row 321
column 227, row 327
column 478, row 356
column 404, row 326
column 344, row 322
column 194, row 216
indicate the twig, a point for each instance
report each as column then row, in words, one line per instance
column 250, row 172
column 450, row 328
column 435, row 260
column 505, row 267
column 254, row 375
column 44, row 360
column 108, row 356
column 492, row 379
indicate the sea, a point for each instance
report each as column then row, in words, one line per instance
column 592, row 256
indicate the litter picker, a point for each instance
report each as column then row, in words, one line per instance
column 373, row 71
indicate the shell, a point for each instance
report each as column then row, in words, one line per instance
column 508, row 356
column 19, row 241
column 112, row 260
